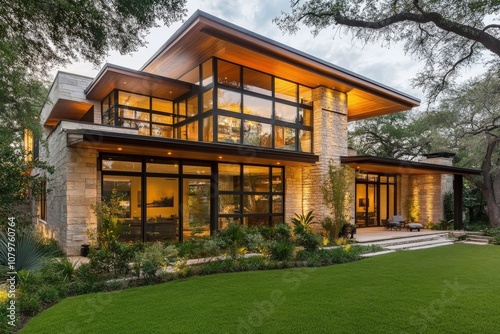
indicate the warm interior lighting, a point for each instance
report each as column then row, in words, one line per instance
column 278, row 163
column 220, row 156
column 119, row 148
column 169, row 153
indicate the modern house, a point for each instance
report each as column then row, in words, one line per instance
column 220, row 125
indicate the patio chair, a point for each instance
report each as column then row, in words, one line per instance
column 390, row 225
column 397, row 222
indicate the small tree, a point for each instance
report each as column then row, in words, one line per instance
column 17, row 182
column 108, row 227
column 337, row 196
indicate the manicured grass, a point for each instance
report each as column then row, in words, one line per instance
column 451, row 289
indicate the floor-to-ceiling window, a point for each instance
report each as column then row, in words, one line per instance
column 231, row 104
column 252, row 195
column 375, row 199
column 171, row 200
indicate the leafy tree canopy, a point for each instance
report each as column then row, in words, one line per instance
column 467, row 121
column 448, row 35
column 37, row 35
column 53, row 32
column 398, row 136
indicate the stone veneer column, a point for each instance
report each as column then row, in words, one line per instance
column 427, row 191
column 81, row 193
column 329, row 143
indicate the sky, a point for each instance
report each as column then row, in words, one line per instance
column 390, row 67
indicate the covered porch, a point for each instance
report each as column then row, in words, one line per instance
column 417, row 192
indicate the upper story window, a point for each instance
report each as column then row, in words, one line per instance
column 258, row 109
column 149, row 115
column 232, row 104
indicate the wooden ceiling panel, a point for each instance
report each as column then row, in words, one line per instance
column 67, row 110
column 114, row 77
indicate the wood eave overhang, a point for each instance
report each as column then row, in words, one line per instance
column 116, row 77
column 112, row 142
column 402, row 167
column 204, row 36
column 64, row 109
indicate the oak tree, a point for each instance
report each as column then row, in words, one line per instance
column 448, row 35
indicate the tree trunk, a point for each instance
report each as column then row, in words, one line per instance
column 491, row 188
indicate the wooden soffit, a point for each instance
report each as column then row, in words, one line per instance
column 67, row 110
column 402, row 167
column 117, row 77
column 204, row 36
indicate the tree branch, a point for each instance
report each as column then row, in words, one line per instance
column 457, row 63
column 489, row 41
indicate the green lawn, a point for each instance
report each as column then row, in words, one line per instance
column 450, row 289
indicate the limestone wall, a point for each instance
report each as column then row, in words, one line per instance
column 303, row 191
column 68, row 86
column 426, row 192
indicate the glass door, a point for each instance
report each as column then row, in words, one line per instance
column 196, row 207
column 127, row 191
column 162, row 207
column 375, row 199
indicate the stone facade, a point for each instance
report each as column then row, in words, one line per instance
column 423, row 194
column 329, row 143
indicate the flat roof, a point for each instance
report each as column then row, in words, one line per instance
column 404, row 167
column 117, row 77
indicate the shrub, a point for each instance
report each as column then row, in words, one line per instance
column 254, row 242
column 233, row 238
column 211, row 247
column 329, row 227
column 280, row 250
column 308, row 240
column 31, row 250
column 113, row 261
column 108, row 227
column 29, row 303
column 302, row 223
column 153, row 257
column 4, row 320
column 282, row 231
column 476, row 226
column 493, row 232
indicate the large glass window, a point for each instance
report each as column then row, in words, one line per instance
column 375, row 199
column 284, row 138
column 252, row 195
column 256, row 134
column 285, row 112
column 207, row 73
column 127, row 190
column 267, row 111
column 228, row 74
column 257, row 82
column 150, row 116
column 228, row 129
column 162, row 207
column 256, row 106
column 196, row 209
column 228, row 100
column 208, row 100
column 167, row 200
column 285, row 90
column 208, row 129
column 133, row 100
